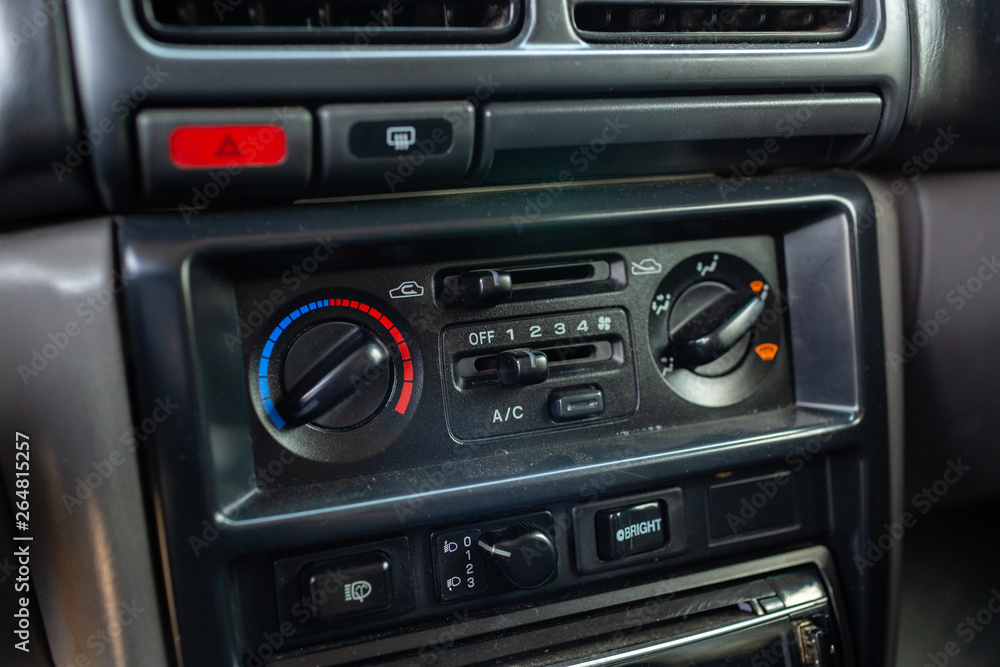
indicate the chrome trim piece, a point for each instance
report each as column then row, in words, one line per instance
column 696, row 637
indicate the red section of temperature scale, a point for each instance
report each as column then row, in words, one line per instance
column 404, row 351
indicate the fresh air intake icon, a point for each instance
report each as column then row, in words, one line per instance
column 357, row 591
column 401, row 137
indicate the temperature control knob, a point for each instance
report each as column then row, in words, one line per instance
column 336, row 374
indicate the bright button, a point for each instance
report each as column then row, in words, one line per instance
column 199, row 147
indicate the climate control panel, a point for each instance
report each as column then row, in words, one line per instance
column 378, row 368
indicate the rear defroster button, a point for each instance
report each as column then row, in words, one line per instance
column 632, row 530
column 395, row 147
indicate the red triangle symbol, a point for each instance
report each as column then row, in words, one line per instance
column 228, row 148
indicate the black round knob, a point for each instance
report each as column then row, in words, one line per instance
column 709, row 324
column 336, row 375
column 525, row 554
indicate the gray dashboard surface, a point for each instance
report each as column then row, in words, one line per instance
column 949, row 355
column 64, row 387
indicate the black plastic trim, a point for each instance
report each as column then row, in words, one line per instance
column 536, row 125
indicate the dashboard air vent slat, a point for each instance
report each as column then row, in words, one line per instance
column 640, row 21
column 359, row 22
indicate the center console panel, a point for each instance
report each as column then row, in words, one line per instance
column 640, row 426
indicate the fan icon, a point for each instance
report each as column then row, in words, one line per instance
column 604, row 323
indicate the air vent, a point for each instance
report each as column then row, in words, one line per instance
column 358, row 22
column 714, row 20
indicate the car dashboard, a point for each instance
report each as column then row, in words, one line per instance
column 526, row 332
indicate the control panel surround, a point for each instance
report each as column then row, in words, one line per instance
column 222, row 476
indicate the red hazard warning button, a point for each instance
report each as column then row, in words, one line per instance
column 199, row 147
column 195, row 158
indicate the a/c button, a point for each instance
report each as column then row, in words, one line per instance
column 576, row 403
